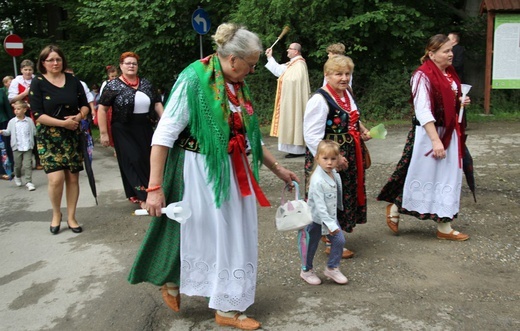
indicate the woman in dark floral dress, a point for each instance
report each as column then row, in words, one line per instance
column 58, row 103
column 331, row 113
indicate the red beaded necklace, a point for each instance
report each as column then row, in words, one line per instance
column 232, row 97
column 345, row 105
column 128, row 83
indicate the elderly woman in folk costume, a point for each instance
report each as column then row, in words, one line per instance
column 427, row 180
column 199, row 155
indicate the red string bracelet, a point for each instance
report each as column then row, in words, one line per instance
column 153, row 188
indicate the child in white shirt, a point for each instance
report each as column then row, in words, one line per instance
column 22, row 132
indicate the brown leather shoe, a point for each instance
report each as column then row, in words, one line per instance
column 247, row 323
column 346, row 253
column 452, row 236
column 394, row 226
column 174, row 302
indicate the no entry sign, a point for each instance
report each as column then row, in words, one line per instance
column 13, row 45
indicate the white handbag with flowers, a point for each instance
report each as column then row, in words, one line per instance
column 293, row 214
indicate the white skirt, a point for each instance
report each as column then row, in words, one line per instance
column 219, row 247
column 433, row 186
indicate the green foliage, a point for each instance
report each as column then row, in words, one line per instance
column 159, row 32
column 499, row 117
column 263, row 88
column 386, row 97
column 98, row 31
column 373, row 31
column 384, row 38
column 505, row 101
column 473, row 30
column 29, row 22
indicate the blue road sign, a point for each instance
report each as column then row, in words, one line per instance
column 200, row 21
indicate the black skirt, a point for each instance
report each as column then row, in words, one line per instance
column 132, row 142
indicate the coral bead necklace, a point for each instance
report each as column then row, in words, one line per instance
column 232, row 97
column 345, row 105
column 134, row 84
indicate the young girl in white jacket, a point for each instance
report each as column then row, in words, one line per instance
column 324, row 201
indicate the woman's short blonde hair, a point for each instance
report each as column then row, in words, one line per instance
column 338, row 63
column 338, row 49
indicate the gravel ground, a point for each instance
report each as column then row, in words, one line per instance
column 407, row 282
column 414, row 281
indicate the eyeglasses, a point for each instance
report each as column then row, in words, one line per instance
column 54, row 60
column 251, row 66
column 135, row 64
column 294, row 49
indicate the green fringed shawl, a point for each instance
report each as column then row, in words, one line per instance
column 209, row 113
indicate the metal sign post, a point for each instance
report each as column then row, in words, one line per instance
column 15, row 67
column 201, row 24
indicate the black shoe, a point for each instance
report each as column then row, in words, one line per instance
column 55, row 229
column 78, row 229
column 291, row 156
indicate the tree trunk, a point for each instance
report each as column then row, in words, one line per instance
column 474, row 73
column 55, row 16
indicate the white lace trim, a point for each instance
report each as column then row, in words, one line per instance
column 227, row 289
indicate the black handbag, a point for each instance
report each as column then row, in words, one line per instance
column 367, row 160
column 63, row 111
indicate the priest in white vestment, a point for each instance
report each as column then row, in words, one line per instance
column 292, row 93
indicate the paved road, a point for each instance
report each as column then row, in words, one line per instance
column 411, row 282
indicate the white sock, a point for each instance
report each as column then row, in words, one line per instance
column 173, row 293
column 231, row 314
column 394, row 214
column 445, row 228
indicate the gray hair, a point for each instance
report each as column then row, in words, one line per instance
column 232, row 39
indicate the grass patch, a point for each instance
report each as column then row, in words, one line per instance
column 474, row 115
column 95, row 132
column 265, row 130
column 500, row 117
